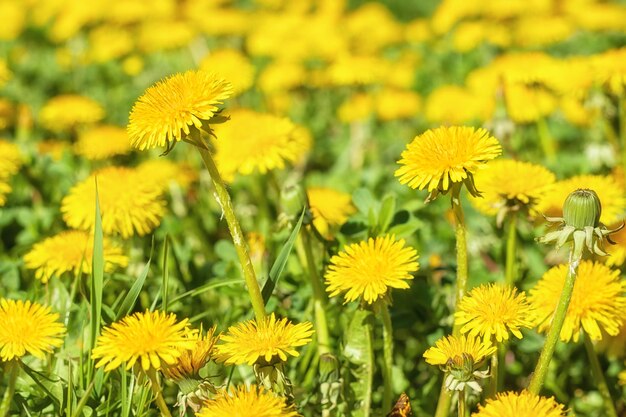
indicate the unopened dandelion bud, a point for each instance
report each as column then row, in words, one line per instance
column 582, row 208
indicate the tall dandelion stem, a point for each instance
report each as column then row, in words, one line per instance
column 598, row 375
column 552, row 337
column 158, row 393
column 387, row 356
column 511, row 256
column 13, row 369
column 462, row 403
column 461, row 255
column 223, row 199
column 493, row 380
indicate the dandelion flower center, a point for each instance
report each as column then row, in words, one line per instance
column 524, row 404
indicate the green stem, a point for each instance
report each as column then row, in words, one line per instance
column 493, row 380
column 558, row 319
column 13, row 369
column 502, row 349
column 158, row 393
column 223, row 199
column 510, row 268
column 462, row 403
column 387, row 357
column 546, row 140
column 596, row 370
column 304, row 249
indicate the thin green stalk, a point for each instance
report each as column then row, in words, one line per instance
column 546, row 140
column 13, row 369
column 552, row 337
column 510, row 268
column 158, row 393
column 462, row 403
column 492, row 390
column 502, row 349
column 223, row 199
column 304, row 249
column 596, row 370
column 387, row 357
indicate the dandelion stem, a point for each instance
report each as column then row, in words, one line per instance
column 223, row 199
column 13, row 369
column 546, row 140
column 510, row 268
column 387, row 356
column 462, row 403
column 598, row 375
column 493, row 381
column 558, row 319
column 158, row 393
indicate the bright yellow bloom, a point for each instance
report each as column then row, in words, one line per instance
column 270, row 341
column 394, row 104
column 27, row 327
column 451, row 104
column 168, row 109
column 622, row 378
column 614, row 346
column 258, row 142
column 10, row 163
column 68, row 111
column 617, row 252
column 70, row 251
column 524, row 404
column 231, row 65
column 109, row 42
column 445, row 155
column 610, row 192
column 451, row 348
column 161, row 172
column 370, row 268
column 329, row 208
column 152, row 37
column 102, row 142
column 53, row 148
column 527, row 104
column 508, row 184
column 357, row 107
column 129, row 203
column 243, row 402
column 154, row 339
column 494, row 310
column 192, row 360
column 597, row 303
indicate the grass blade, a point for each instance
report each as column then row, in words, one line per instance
column 166, row 275
column 97, row 279
column 131, row 297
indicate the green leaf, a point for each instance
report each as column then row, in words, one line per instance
column 131, row 297
column 358, row 351
column 166, row 275
column 386, row 213
column 363, row 200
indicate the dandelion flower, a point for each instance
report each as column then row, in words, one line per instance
column 10, row 163
column 231, row 65
column 152, row 339
column 445, row 155
column 617, row 252
column 270, row 340
column 494, row 310
column 524, row 404
column 129, row 203
column 192, row 360
column 506, row 184
column 369, row 268
column 53, row 148
column 70, row 251
column 452, row 347
column 597, row 303
column 162, row 171
column 258, row 142
column 395, row 104
column 102, row 142
column 28, row 328
column 244, row 402
column 168, row 109
column 329, row 208
column 66, row 112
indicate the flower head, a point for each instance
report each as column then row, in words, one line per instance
column 369, row 268
column 102, row 142
column 270, row 340
column 524, row 404
column 10, row 163
column 597, row 303
column 68, row 111
column 192, row 360
column 329, row 208
column 167, row 110
column 494, row 310
column 162, row 171
column 129, row 202
column 243, row 402
column 446, row 155
column 232, row 65
column 28, row 328
column 153, row 339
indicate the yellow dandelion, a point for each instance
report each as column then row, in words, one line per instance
column 451, row 104
column 244, row 402
column 394, row 104
column 28, row 328
column 494, row 310
column 231, row 65
column 445, row 155
column 329, row 208
column 129, row 203
column 151, row 37
column 258, row 142
column 70, row 251
column 370, row 268
column 610, row 192
column 622, row 378
column 357, row 107
column 66, row 112
column 450, row 348
column 614, row 346
column 53, row 148
column 10, row 162
column 527, row 104
column 524, row 404
column 7, row 113
column 269, row 341
column 597, row 303
column 192, row 360
column 513, row 185
column 109, row 42
column 162, row 171
column 617, row 252
column 166, row 111
column 102, row 142
column 153, row 339
column 282, row 75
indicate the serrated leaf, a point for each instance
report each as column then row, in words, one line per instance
column 358, row 351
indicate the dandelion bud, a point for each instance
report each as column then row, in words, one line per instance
column 582, row 208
